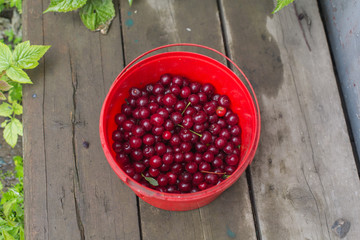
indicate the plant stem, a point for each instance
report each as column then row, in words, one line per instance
column 203, row 171
column 186, row 108
column 200, row 135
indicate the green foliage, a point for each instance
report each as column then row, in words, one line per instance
column 151, row 180
column 12, row 206
column 93, row 13
column 12, row 63
column 96, row 13
column 281, row 4
column 64, row 5
column 6, row 4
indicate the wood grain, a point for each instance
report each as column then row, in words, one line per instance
column 157, row 23
column 35, row 187
column 304, row 173
column 82, row 197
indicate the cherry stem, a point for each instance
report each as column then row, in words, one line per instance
column 203, row 171
column 186, row 108
column 126, row 101
column 200, row 135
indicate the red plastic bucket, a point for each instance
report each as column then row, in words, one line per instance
column 199, row 68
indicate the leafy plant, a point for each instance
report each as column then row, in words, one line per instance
column 12, row 206
column 95, row 14
column 11, row 39
column 281, row 4
column 12, row 76
column 6, row 4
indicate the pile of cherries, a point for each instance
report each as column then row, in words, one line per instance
column 177, row 136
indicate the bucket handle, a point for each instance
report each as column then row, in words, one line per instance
column 212, row 50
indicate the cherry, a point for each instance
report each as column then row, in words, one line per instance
column 155, row 161
column 146, row 124
column 126, row 110
column 165, row 79
column 198, row 178
column 185, row 92
column 169, row 100
column 135, row 92
column 180, row 106
column 224, row 101
column 117, row 147
column 195, row 87
column 191, row 167
column 194, row 99
column 176, row 117
column 162, row 180
column 117, row 135
column 156, row 119
column 148, row 139
column 158, row 89
column 207, row 88
column 184, row 187
column 220, row 111
column 232, row 160
column 148, row 151
column 138, row 131
column 136, row 154
column 135, row 142
column 139, row 167
column 120, row 118
column 122, row 159
column 166, row 135
column 172, row 178
column 153, row 172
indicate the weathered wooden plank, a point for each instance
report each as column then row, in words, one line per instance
column 148, row 24
column 304, row 173
column 35, row 188
column 82, row 196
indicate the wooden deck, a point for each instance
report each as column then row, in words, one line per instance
column 303, row 177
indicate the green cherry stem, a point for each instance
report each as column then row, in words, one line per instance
column 200, row 135
column 185, row 108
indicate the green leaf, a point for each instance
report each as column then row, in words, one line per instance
column 151, row 180
column 3, row 124
column 17, row 4
column 18, row 109
column 4, row 86
column 5, row 57
column 21, row 233
column 7, row 235
column 11, row 131
column 64, row 5
column 26, row 56
column 1, row 186
column 15, row 93
column 2, row 96
column 97, row 12
column 130, row 2
column 19, row 166
column 281, row 4
column 18, row 75
column 8, row 207
column 6, row 110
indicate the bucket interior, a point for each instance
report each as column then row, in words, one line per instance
column 195, row 67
